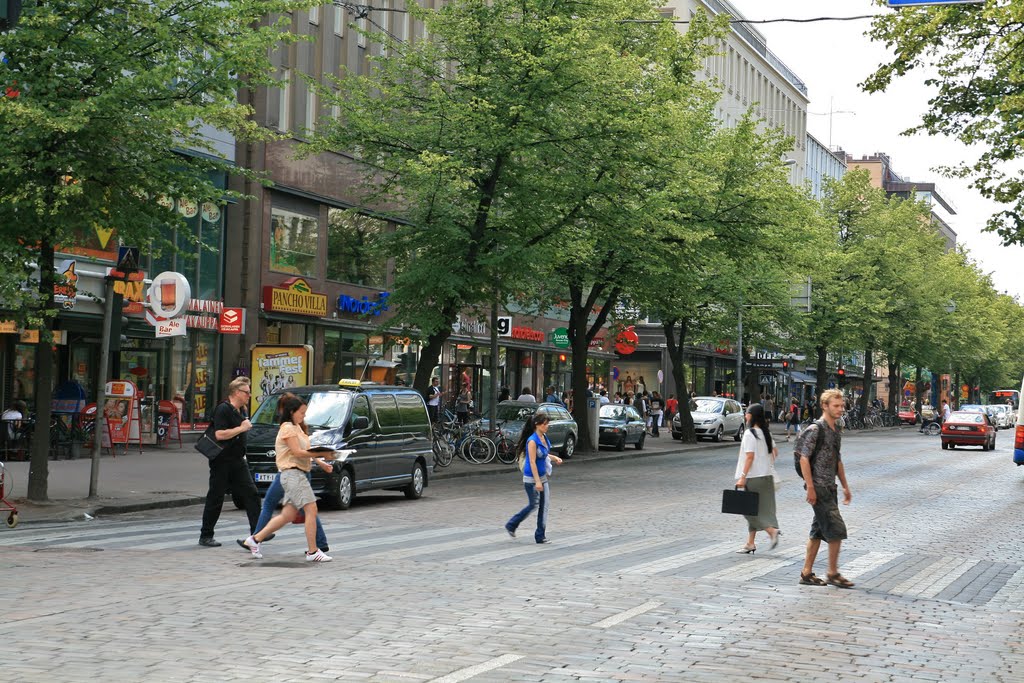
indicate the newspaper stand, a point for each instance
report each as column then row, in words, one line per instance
column 122, row 413
column 168, row 425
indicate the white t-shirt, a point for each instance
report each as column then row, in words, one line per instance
column 946, row 412
column 435, row 397
column 527, row 398
column 762, row 465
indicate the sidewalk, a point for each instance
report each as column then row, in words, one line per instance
column 178, row 476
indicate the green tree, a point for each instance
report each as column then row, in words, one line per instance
column 973, row 56
column 101, row 98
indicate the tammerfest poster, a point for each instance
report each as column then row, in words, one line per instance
column 277, row 368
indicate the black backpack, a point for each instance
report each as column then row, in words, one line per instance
column 797, row 447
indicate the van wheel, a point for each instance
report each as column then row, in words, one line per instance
column 569, row 448
column 419, row 479
column 343, row 492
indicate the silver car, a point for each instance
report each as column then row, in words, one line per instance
column 714, row 417
column 1002, row 415
column 562, row 430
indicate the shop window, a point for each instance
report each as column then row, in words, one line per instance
column 293, row 243
column 353, row 253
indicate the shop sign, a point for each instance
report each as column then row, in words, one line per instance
column 276, row 367
column 8, row 327
column 130, row 286
column 597, row 342
column 232, row 320
column 363, row 306
column 504, row 325
column 528, row 334
column 169, row 295
column 172, row 327
column 295, row 296
column 470, row 326
column 29, row 336
column 627, row 341
column 65, row 289
column 560, row 337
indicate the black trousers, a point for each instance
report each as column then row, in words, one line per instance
column 230, row 471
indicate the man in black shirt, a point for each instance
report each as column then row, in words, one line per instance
column 230, row 468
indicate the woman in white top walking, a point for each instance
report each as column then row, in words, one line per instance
column 754, row 471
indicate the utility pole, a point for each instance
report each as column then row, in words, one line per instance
column 739, row 359
column 494, row 362
column 100, row 421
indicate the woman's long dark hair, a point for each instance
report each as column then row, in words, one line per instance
column 528, row 430
column 758, row 420
column 286, row 408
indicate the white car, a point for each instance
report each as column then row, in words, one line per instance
column 715, row 417
column 1002, row 415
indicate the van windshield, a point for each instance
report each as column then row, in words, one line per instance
column 326, row 409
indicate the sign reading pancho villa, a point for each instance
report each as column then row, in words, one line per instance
column 294, row 295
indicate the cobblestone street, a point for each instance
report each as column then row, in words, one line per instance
column 641, row 582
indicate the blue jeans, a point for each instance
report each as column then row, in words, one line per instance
column 272, row 499
column 536, row 500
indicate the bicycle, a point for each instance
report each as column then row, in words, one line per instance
column 505, row 448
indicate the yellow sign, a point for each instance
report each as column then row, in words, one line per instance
column 103, row 234
column 276, row 368
column 29, row 337
column 295, row 296
column 8, row 327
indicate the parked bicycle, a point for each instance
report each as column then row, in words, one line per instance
column 504, row 446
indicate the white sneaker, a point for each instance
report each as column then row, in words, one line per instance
column 318, row 556
column 254, row 547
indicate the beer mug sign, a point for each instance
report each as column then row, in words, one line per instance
column 169, row 294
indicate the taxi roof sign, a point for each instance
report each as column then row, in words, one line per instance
column 349, row 383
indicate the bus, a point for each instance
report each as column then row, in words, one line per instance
column 1000, row 396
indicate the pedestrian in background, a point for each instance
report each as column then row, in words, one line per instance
column 526, row 395
column 755, row 471
column 656, row 413
column 551, row 396
column 769, row 410
column 294, row 462
column 819, row 474
column 640, row 406
column 229, row 469
column 536, row 449
column 671, row 408
column 462, row 404
column 793, row 418
column 433, row 396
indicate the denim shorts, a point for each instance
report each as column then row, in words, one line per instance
column 828, row 524
column 297, row 490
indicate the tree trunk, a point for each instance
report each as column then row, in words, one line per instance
column 954, row 398
column 822, row 378
column 675, row 354
column 581, row 333
column 869, row 379
column 895, row 385
column 429, row 357
column 919, row 388
column 39, row 471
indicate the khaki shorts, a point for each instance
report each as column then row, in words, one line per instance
column 297, row 490
column 828, row 524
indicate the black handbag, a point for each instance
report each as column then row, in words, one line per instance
column 740, row 502
column 209, row 446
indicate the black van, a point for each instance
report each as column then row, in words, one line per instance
column 387, row 426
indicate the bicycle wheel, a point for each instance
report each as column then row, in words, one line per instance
column 478, row 450
column 506, row 450
column 444, row 452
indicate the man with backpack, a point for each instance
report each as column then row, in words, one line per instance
column 819, row 463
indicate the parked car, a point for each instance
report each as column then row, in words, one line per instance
column 908, row 415
column 387, row 427
column 562, row 431
column 713, row 418
column 1002, row 415
column 972, row 408
column 1018, row 432
column 969, row 428
column 621, row 425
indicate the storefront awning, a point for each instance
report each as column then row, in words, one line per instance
column 798, row 377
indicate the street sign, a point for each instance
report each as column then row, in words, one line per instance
column 127, row 259
column 917, row 3
column 767, row 378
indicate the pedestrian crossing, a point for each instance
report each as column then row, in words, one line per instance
column 905, row 574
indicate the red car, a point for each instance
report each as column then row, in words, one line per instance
column 969, row 429
column 907, row 415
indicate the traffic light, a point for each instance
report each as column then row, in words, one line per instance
column 785, row 364
column 842, row 372
column 561, row 358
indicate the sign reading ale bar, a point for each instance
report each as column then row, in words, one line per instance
column 294, row 295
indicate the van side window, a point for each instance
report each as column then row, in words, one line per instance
column 386, row 410
column 360, row 408
column 412, row 409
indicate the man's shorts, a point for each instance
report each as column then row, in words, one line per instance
column 828, row 524
column 297, row 490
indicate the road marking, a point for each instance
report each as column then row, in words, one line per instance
column 628, row 614
column 1011, row 594
column 606, row 553
column 749, row 570
column 867, row 563
column 483, row 667
column 678, row 560
column 530, row 548
column 923, row 582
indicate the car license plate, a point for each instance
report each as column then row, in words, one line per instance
column 265, row 478
column 963, row 429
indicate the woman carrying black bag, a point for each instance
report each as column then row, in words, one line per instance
column 755, row 469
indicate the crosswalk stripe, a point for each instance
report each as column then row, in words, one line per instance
column 1011, row 594
column 678, row 560
column 530, row 548
column 947, row 578
column 618, row 549
column 866, row 563
column 491, row 538
column 924, row 579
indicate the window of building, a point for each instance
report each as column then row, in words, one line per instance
column 361, row 24
column 339, row 21
column 352, row 254
column 293, row 242
column 311, row 109
column 402, row 23
column 314, row 15
column 284, row 101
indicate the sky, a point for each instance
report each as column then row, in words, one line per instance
column 832, row 58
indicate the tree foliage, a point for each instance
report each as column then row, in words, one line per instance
column 975, row 54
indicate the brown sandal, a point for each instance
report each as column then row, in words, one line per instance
column 811, row 580
column 839, row 581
